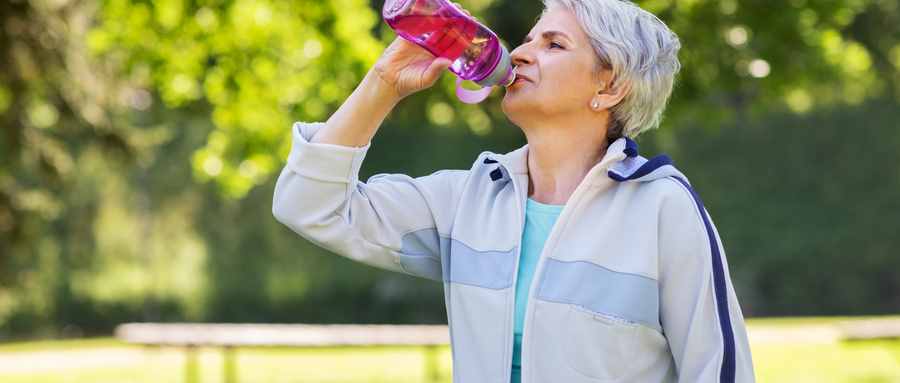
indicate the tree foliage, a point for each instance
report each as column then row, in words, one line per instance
column 257, row 65
column 141, row 140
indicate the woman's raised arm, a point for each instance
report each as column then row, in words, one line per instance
column 392, row 221
column 404, row 68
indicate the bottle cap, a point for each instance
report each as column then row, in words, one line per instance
column 503, row 74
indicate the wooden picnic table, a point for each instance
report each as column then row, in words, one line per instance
column 229, row 337
column 870, row 329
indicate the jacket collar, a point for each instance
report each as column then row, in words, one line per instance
column 516, row 162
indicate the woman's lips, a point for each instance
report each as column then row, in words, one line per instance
column 520, row 79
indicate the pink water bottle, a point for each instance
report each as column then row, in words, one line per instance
column 445, row 31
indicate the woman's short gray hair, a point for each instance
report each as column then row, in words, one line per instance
column 639, row 49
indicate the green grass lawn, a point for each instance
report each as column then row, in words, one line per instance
column 795, row 359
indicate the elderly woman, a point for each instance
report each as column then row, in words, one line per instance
column 572, row 259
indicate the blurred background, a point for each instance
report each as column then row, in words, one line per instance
column 141, row 141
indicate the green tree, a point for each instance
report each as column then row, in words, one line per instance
column 56, row 109
column 256, row 65
column 141, row 140
column 262, row 64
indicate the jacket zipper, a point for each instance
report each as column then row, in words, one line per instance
column 511, row 319
column 550, row 243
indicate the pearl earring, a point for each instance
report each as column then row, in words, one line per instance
column 595, row 104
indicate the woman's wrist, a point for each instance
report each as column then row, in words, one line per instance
column 359, row 117
column 378, row 88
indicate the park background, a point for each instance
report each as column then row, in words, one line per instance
column 141, row 141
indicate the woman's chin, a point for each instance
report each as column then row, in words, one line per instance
column 515, row 98
column 516, row 106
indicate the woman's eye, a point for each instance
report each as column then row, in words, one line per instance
column 552, row 44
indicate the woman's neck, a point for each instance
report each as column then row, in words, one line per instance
column 559, row 159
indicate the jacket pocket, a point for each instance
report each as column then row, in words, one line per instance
column 597, row 345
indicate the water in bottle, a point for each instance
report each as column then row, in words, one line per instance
column 445, row 31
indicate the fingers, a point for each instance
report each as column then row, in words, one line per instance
column 436, row 69
column 462, row 9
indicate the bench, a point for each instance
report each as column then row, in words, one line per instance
column 229, row 337
column 870, row 329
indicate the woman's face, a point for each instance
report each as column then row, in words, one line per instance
column 558, row 66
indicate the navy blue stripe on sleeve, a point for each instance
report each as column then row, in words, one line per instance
column 728, row 360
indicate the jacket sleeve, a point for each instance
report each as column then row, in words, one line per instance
column 699, row 310
column 393, row 221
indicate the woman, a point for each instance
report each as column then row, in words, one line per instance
column 572, row 259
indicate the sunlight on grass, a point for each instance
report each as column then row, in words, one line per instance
column 108, row 360
column 871, row 361
column 80, row 361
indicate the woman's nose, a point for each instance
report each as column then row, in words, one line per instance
column 521, row 56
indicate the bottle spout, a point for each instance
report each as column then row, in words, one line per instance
column 510, row 78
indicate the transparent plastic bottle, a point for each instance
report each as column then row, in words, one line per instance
column 445, row 31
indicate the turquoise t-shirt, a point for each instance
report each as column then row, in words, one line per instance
column 539, row 220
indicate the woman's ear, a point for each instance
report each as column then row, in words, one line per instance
column 609, row 97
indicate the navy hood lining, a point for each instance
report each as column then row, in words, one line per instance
column 626, row 165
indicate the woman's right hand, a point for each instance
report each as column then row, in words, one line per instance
column 408, row 68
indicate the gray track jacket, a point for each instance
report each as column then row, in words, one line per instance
column 632, row 284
